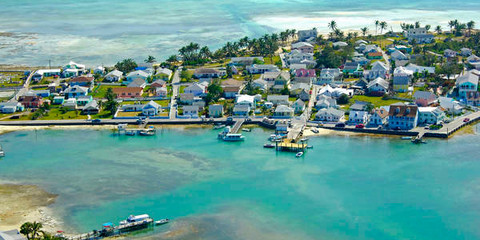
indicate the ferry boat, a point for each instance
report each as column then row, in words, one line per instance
column 162, row 221
column 135, row 222
column 299, row 154
column 233, row 137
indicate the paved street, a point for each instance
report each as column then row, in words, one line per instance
column 175, row 87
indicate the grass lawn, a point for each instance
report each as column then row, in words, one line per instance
column 274, row 60
column 182, row 89
column 100, row 90
column 163, row 103
column 376, row 101
column 128, row 114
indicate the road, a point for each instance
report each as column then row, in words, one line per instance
column 456, row 123
column 24, row 90
column 175, row 86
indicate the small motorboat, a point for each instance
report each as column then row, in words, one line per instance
column 309, row 147
column 246, row 129
column 220, row 126
column 147, row 132
column 130, row 133
column 406, row 138
column 299, row 154
column 162, row 221
column 268, row 145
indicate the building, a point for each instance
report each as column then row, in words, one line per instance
column 467, row 83
column 91, row 108
column 76, row 91
column 114, row 76
column 351, row 68
column 196, row 89
column 191, row 111
column 466, row 52
column 161, row 92
column 260, row 84
column 307, row 35
column 11, row 235
column 448, row 53
column 128, row 92
column 379, row 69
column 231, row 88
column 474, row 61
column 358, row 117
column 298, row 106
column 241, row 110
column 262, row 68
column 283, row 111
column 282, row 80
column 335, row 92
column 419, row 35
column 430, row 115
column 215, row 110
column 138, row 74
column 31, row 101
column 84, row 100
column 401, row 79
column 377, row 87
column 402, row 117
column 308, row 76
column 82, row 81
column 297, row 57
column 330, row 75
column 207, row 73
column 11, row 107
column 41, row 73
column 473, row 99
column 398, row 56
column 243, row 99
column 379, row 117
column 450, row 105
column 375, row 55
column 151, row 109
column 420, row 69
column 245, row 61
column 278, row 99
column 424, row 98
column 138, row 82
column 186, row 98
column 325, row 102
column 99, row 70
column 329, row 115
column 163, row 74
column 303, row 47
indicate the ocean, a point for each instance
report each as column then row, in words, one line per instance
column 346, row 187
column 103, row 32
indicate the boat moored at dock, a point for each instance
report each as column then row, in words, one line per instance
column 162, row 221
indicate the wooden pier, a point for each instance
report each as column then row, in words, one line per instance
column 114, row 230
column 238, row 124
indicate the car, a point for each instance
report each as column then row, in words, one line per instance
column 397, row 128
column 360, row 126
column 96, row 121
column 466, row 120
column 427, row 127
column 140, row 121
column 229, row 119
column 340, row 125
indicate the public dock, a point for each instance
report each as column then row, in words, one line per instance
column 238, row 124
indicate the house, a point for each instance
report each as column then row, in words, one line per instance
column 41, row 73
column 99, row 70
column 379, row 117
column 186, row 98
column 11, row 235
column 467, row 83
column 403, row 117
column 365, row 49
column 358, row 117
column 295, row 66
column 132, row 107
column 207, row 73
column 420, row 69
column 298, row 57
column 339, row 44
column 137, row 82
column 82, row 81
column 191, row 111
column 151, row 109
column 474, row 61
column 375, row 55
column 419, row 35
column 424, row 98
column 325, row 102
column 282, row 111
column 379, row 69
column 297, row 88
column 74, row 65
column 430, row 115
column 91, row 108
column 307, row 35
column 304, row 95
column 362, row 61
column 41, row 93
column 270, row 76
column 231, row 88
column 401, row 79
column 303, row 47
column 215, row 110
column 261, row 84
column 11, row 107
column 448, row 53
column 243, row 99
column 128, row 92
column 473, row 99
column 278, row 99
column 58, row 100
column 245, row 61
column 330, row 75
column 359, row 106
column 305, row 76
column 241, row 110
column 335, row 92
column 398, row 56
column 298, row 106
column 83, row 100
column 351, row 68
column 161, row 92
column 262, row 68
column 466, row 52
column 138, row 74
column 158, row 83
column 282, row 80
column 196, row 89
column 329, row 115
column 377, row 87
column 67, row 73
column 163, row 74
column 450, row 105
column 113, row 76
column 77, row 91
column 70, row 103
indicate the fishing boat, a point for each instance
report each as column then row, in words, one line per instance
column 246, row 129
column 418, row 141
column 162, row 221
column 2, row 153
column 299, row 154
column 268, row 145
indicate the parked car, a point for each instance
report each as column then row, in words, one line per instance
column 359, row 126
column 466, row 120
column 340, row 125
column 96, row 121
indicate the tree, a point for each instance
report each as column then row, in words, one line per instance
column 229, row 71
column 470, row 26
column 31, row 230
column 343, row 99
column 111, row 105
column 127, row 65
column 417, row 24
column 377, row 23
column 427, row 27
column 383, row 26
column 328, row 58
column 285, row 90
column 364, row 31
column 172, row 59
column 332, row 25
column 185, row 75
column 438, row 29
column 150, row 59
column 215, row 91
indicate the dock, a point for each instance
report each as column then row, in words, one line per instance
column 238, row 124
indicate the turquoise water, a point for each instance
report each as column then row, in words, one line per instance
column 102, row 32
column 344, row 188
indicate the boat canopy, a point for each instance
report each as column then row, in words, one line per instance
column 107, row 225
column 137, row 218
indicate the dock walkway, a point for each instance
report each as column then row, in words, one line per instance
column 238, row 124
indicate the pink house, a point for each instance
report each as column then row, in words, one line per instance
column 303, row 47
column 305, row 75
column 424, row 98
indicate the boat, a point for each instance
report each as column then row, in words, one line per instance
column 406, row 138
column 2, row 153
column 246, row 129
column 130, row 133
column 418, row 141
column 147, row 132
column 162, row 221
column 135, row 222
column 309, row 147
column 299, row 154
column 233, row 137
column 218, row 126
column 268, row 145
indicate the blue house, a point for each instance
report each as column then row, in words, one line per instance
column 76, row 91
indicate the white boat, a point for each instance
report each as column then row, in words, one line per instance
column 162, row 221
column 299, row 154
column 406, row 138
column 218, row 126
column 246, row 129
column 147, row 132
column 2, row 153
column 233, row 137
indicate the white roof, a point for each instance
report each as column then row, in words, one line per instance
column 115, row 73
column 301, row 44
column 43, row 71
column 138, row 73
column 402, row 71
column 340, row 44
column 245, row 99
column 165, row 71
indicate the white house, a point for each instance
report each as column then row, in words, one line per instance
column 329, row 115
column 283, row 111
column 247, row 100
column 135, row 75
column 114, row 76
column 358, row 117
column 278, row 99
column 379, row 69
column 324, row 101
column 419, row 35
column 450, row 105
column 330, row 75
column 161, row 91
column 298, row 106
column 379, row 117
column 262, row 68
column 215, row 110
column 303, row 47
column 430, row 115
column 151, row 109
column 378, row 87
column 195, row 89
column 191, row 111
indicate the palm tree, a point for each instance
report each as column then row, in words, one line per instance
column 427, row 27
column 150, row 59
column 438, row 29
column 377, row 23
column 205, row 52
column 451, row 24
column 355, row 35
column 332, row 25
column 470, row 26
column 417, row 24
column 383, row 26
column 364, row 31
column 31, row 230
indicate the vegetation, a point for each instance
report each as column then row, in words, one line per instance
column 111, row 105
column 126, row 65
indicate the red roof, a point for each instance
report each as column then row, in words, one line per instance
column 305, row 73
column 375, row 54
column 127, row 90
column 82, row 79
